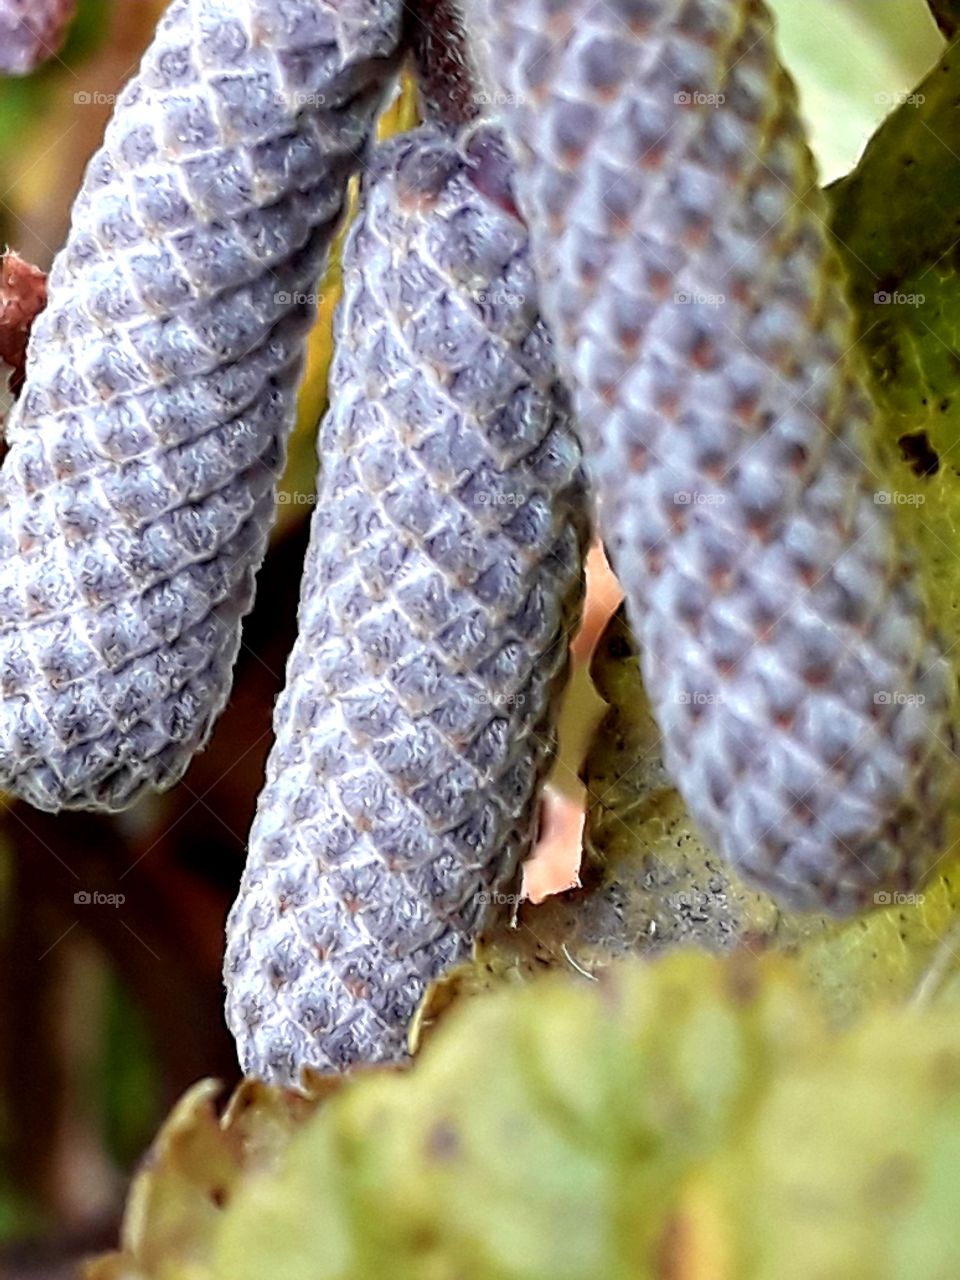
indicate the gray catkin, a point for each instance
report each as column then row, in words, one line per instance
column 31, row 32
column 442, row 580
column 699, row 313
column 139, row 489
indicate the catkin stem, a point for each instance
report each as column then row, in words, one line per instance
column 449, row 81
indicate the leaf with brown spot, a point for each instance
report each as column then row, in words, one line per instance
column 694, row 1119
column 188, row 1179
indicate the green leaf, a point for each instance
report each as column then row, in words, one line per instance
column 697, row 1117
column 851, row 61
column 897, row 223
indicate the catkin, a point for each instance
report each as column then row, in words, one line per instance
column 699, row 313
column 139, row 489
column 443, row 577
column 31, row 31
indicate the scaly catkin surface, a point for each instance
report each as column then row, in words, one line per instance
column 699, row 313
column 31, row 31
column 443, row 577
column 140, row 486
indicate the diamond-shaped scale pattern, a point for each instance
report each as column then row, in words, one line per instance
column 140, row 485
column 31, row 31
column 441, row 584
column 699, row 313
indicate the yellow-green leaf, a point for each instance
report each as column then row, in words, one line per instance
column 695, row 1118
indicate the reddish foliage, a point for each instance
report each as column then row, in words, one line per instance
column 23, row 295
